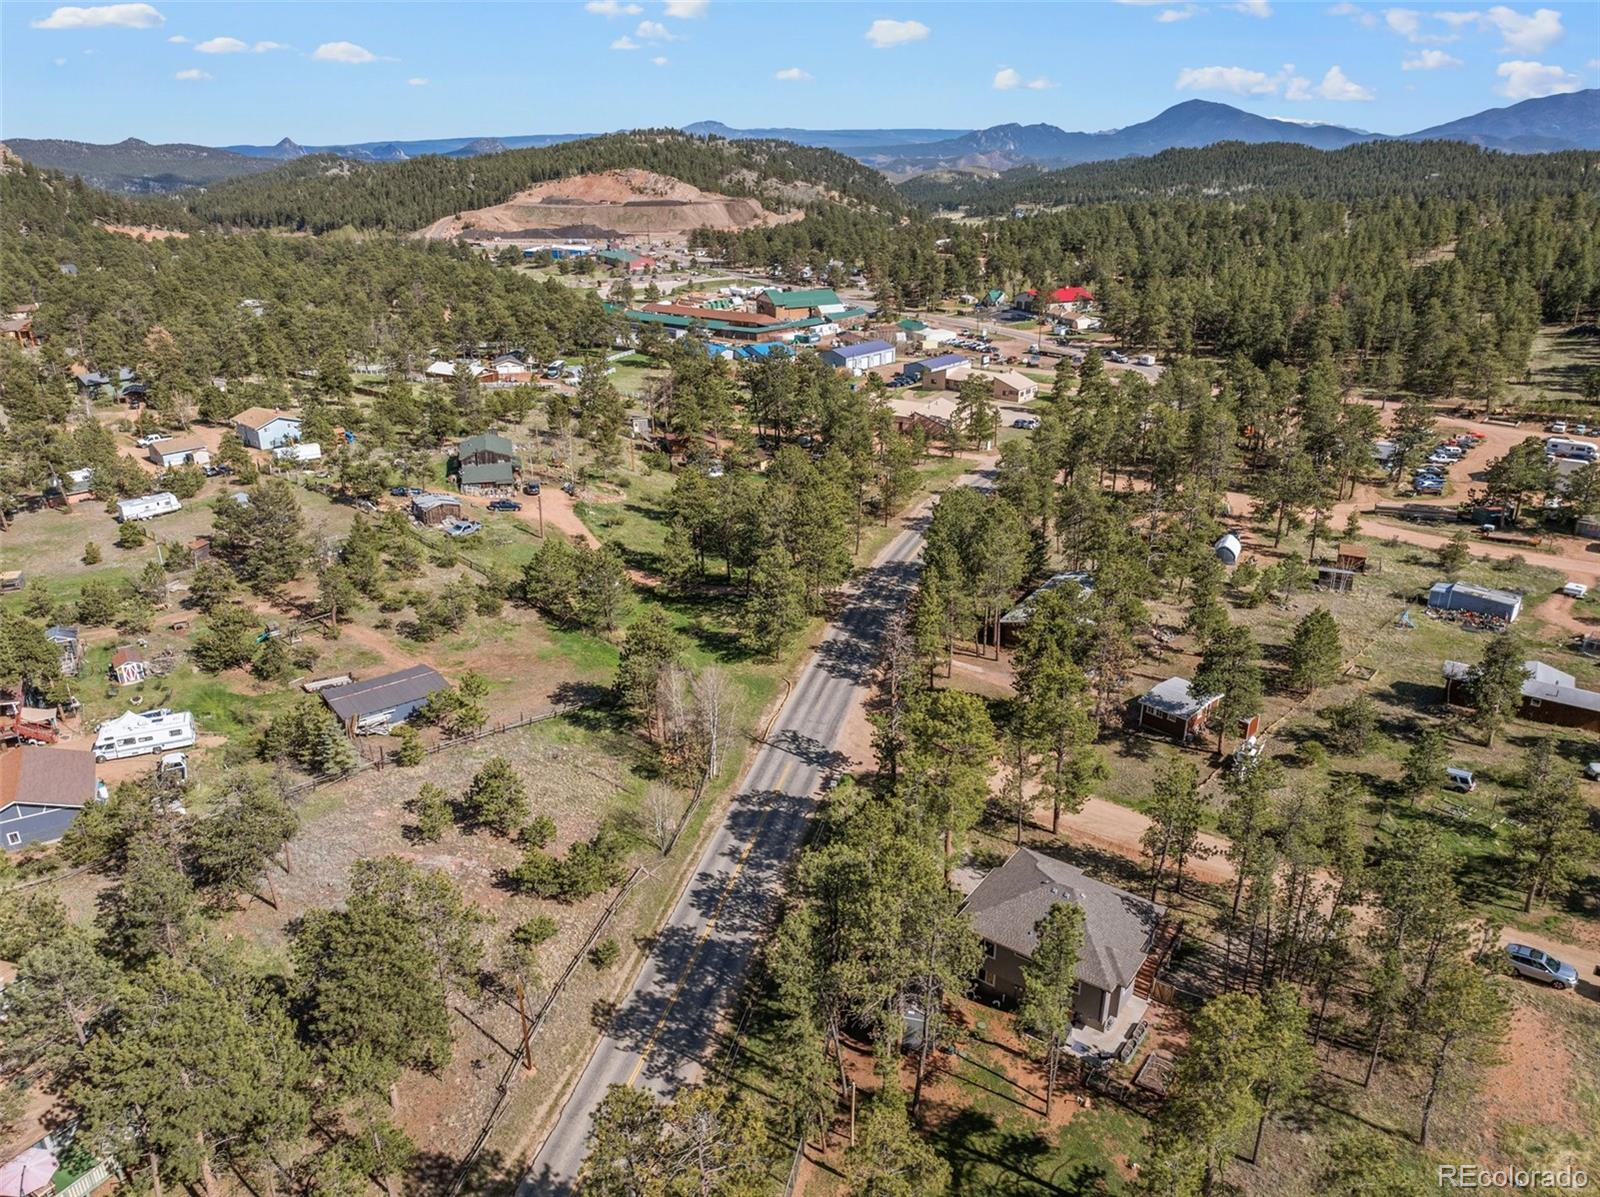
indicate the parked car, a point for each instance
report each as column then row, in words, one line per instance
column 461, row 527
column 1557, row 426
column 155, row 438
column 1028, row 422
column 570, row 488
column 505, row 505
column 1575, row 590
column 1580, row 429
column 530, row 488
column 1145, row 359
column 1592, row 770
column 399, row 492
column 1460, row 780
column 1113, row 355
column 1540, row 966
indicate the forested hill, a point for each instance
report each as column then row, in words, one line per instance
column 64, row 205
column 321, row 192
column 1372, row 170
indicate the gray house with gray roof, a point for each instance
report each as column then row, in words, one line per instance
column 1119, row 931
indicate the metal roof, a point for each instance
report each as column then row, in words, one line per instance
column 864, row 349
column 1175, row 697
column 485, row 442
column 384, row 693
column 942, row 362
column 1543, row 682
column 815, row 297
column 1023, row 611
column 430, row 501
column 1118, row 926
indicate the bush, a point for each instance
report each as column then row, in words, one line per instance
column 496, row 798
column 605, row 953
column 410, row 752
column 91, row 554
column 535, row 931
column 1351, row 725
column 539, row 832
column 588, row 868
column 131, row 535
column 431, row 807
column 1311, row 754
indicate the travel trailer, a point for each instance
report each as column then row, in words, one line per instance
column 141, row 732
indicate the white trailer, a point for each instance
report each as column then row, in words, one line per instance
column 147, row 507
column 299, row 451
column 140, row 732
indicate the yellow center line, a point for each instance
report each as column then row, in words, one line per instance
column 711, row 923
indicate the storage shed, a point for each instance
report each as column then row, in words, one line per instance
column 433, row 509
column 1480, row 600
column 177, row 453
column 379, row 703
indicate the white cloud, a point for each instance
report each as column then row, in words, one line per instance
column 1239, row 81
column 177, row 39
column 192, row 75
column 1530, row 80
column 687, row 10
column 1253, row 8
column 346, row 52
column 1006, row 79
column 1430, row 60
column 221, row 45
column 1041, row 84
column 59, row 61
column 611, row 8
column 884, row 34
column 417, row 82
column 654, row 31
column 1168, row 16
column 102, row 16
column 1336, row 85
column 792, row 75
column 660, row 60
column 624, row 43
column 268, row 47
column 1366, row 18
column 1407, row 22
column 1525, row 34
column 1594, row 64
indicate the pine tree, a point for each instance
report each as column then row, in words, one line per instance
column 775, row 609
column 1314, row 651
column 1050, row 980
column 1496, row 682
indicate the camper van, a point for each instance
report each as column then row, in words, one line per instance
column 139, row 732
column 554, row 369
column 1560, row 446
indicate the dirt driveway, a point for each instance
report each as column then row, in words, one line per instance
column 559, row 515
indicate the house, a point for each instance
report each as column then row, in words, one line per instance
column 1066, row 300
column 379, row 703
column 992, row 298
column 1549, row 695
column 1589, row 526
column 1173, row 709
column 86, row 380
column 67, row 640
column 266, row 427
column 858, row 359
column 1119, row 934
column 434, row 509
column 1078, row 322
column 303, row 452
column 791, row 305
column 1227, row 549
column 1013, row 387
column 41, row 792
column 19, row 328
column 75, row 486
column 1480, row 600
column 933, row 415
column 937, row 371
column 132, row 393
column 128, row 666
column 138, row 733
column 147, row 507
column 486, row 462
column 1014, row 620
column 176, row 453
column 508, row 370
column 446, row 371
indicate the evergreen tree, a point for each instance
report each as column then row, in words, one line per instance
column 1314, row 651
column 1050, row 981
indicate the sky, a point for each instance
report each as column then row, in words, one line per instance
column 218, row 73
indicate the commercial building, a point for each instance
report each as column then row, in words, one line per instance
column 858, row 359
column 938, row 371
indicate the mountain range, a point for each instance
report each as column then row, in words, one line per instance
column 1561, row 122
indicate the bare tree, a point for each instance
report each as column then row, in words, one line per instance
column 712, row 715
column 661, row 811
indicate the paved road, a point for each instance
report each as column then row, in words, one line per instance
column 667, row 1023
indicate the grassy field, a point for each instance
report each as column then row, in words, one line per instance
column 1554, row 380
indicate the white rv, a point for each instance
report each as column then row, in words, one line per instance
column 147, row 507
column 141, row 732
column 299, row 451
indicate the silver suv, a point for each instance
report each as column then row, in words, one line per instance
column 1539, row 966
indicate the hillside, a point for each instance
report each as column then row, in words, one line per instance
column 137, row 166
column 1553, row 122
column 616, row 203
column 1365, row 171
column 318, row 192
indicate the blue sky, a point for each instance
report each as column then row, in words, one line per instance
column 218, row 73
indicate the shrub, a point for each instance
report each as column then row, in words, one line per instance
column 496, row 798
column 1312, row 754
column 91, row 554
column 539, row 831
column 535, row 931
column 131, row 535
column 431, row 807
column 410, row 752
column 605, row 953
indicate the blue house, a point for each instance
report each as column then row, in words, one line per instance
column 41, row 792
column 266, row 427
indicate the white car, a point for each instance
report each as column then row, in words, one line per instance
column 155, row 438
column 1575, row 590
column 1558, row 426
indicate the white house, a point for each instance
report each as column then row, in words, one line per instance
column 266, row 427
column 139, row 732
column 172, row 453
column 147, row 507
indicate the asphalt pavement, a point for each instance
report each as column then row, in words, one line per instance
column 667, row 1025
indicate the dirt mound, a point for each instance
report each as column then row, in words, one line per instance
column 619, row 203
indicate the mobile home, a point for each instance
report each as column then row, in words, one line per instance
column 147, row 507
